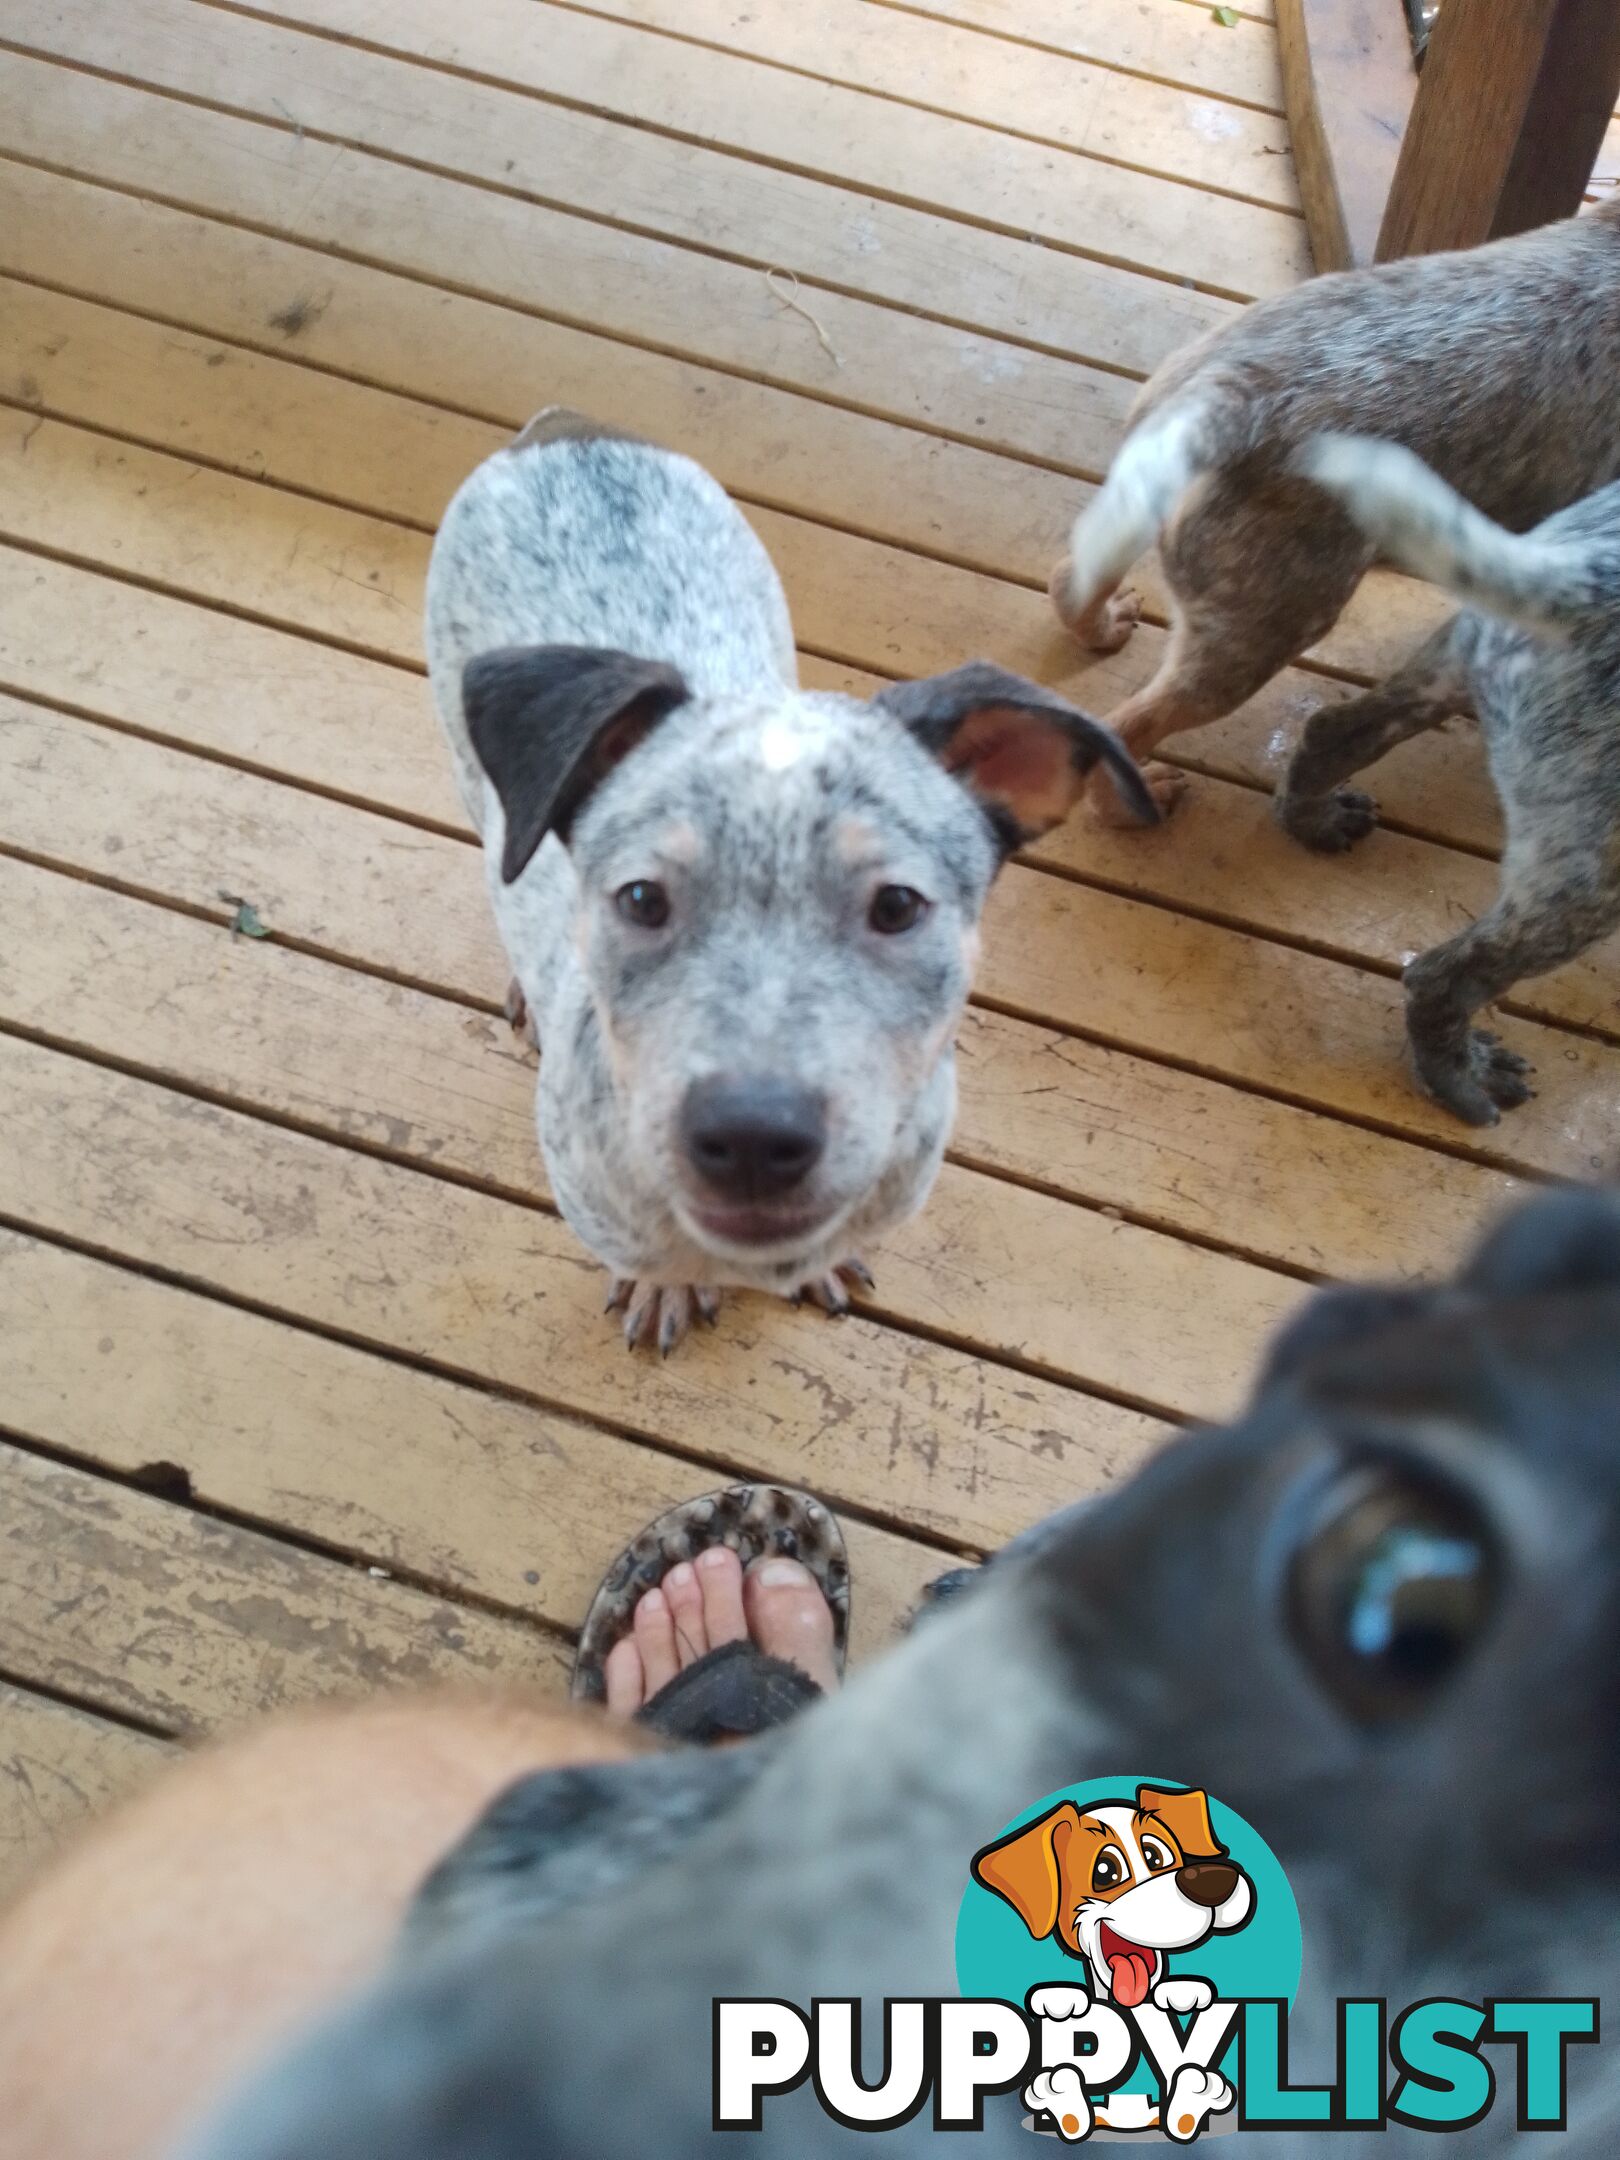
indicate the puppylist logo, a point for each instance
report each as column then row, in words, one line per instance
column 1128, row 1952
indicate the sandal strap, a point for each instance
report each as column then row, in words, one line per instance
column 729, row 1693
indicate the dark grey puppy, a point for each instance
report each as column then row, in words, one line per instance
column 1495, row 364
column 742, row 917
column 1378, row 1616
column 1541, row 670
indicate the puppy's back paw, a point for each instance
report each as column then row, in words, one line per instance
column 1165, row 783
column 1105, row 624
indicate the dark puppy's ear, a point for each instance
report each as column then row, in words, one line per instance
column 1557, row 1241
column 549, row 723
column 1020, row 749
column 1333, row 1319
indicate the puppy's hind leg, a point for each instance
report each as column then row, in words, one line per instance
column 1312, row 804
column 1546, row 913
column 1255, row 577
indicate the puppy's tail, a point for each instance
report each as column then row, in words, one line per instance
column 1156, row 465
column 1544, row 579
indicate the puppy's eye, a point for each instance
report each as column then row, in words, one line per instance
column 1156, row 1856
column 1108, row 1870
column 895, row 908
column 643, row 902
column 1391, row 1591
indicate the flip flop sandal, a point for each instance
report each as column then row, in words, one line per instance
column 738, row 1689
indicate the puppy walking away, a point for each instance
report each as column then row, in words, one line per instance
column 1494, row 364
column 741, row 917
column 1537, row 658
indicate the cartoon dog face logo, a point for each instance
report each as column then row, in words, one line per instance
column 1120, row 1886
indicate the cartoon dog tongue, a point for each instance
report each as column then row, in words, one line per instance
column 1130, row 1968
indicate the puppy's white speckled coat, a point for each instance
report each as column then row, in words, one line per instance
column 707, row 878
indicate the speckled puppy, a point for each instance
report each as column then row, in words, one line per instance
column 742, row 917
column 1496, row 365
column 1537, row 657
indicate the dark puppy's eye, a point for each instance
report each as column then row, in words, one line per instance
column 643, row 902
column 895, row 908
column 1391, row 1590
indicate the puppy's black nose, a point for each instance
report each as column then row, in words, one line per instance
column 1207, row 1882
column 752, row 1139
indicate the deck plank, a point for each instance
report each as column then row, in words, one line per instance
column 988, row 1262
column 498, row 1293
column 697, row 113
column 357, row 581
column 184, row 1623
column 1167, row 40
column 326, row 876
column 1396, row 897
column 854, row 470
column 424, row 1082
column 59, row 1767
column 518, row 1506
column 486, row 242
column 1125, row 119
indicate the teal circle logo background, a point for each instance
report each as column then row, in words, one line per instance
column 995, row 1954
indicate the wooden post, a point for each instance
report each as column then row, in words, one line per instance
column 1509, row 117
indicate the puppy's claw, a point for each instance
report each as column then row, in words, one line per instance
column 619, row 1289
column 518, row 1016
column 660, row 1314
column 1485, row 1081
column 831, row 1291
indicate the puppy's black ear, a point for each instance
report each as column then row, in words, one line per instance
column 1334, row 1319
column 1020, row 749
column 1557, row 1241
column 549, row 722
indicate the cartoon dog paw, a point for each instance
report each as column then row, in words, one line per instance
column 1059, row 2003
column 1185, row 1994
column 1193, row 2097
column 1061, row 2093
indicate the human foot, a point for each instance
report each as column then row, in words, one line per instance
column 703, row 1604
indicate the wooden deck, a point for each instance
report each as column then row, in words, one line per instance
column 304, row 1387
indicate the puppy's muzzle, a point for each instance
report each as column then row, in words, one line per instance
column 1207, row 1882
column 752, row 1139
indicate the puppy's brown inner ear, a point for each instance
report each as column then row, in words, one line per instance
column 1019, row 761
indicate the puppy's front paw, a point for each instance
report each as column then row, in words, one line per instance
column 1184, row 1995
column 1327, row 824
column 660, row 1313
column 1488, row 1079
column 518, row 1016
column 832, row 1291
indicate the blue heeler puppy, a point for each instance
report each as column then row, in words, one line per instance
column 741, row 917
